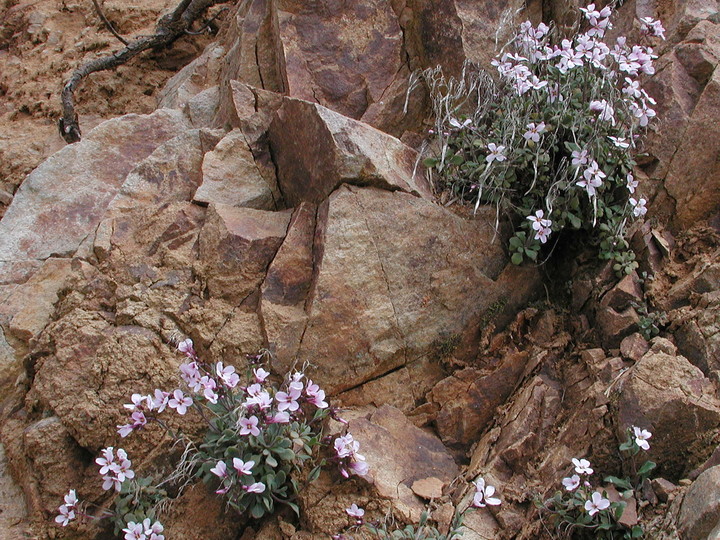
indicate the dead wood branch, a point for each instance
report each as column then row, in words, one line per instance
column 108, row 24
column 168, row 29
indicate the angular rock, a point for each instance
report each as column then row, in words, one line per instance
column 199, row 75
column 236, row 246
column 663, row 488
column 693, row 179
column 388, row 295
column 63, row 200
column 316, row 150
column 624, row 294
column 399, row 455
column 634, row 347
column 700, row 510
column 469, row 398
column 231, row 177
column 343, row 58
column 670, row 397
column 170, row 174
column 614, row 326
column 203, row 108
column 13, row 519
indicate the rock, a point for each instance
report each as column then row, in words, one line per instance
column 629, row 517
column 231, row 177
column 250, row 109
column 63, row 200
column 623, row 295
column 634, row 347
column 663, row 488
column 700, row 510
column 316, row 150
column 428, row 488
column 399, row 455
column 470, row 397
column 346, row 58
column 171, row 173
column 203, row 108
column 385, row 298
column 286, row 288
column 522, row 432
column 700, row 52
column 200, row 514
column 14, row 515
column 614, row 326
column 693, row 176
column 199, row 75
column 671, row 398
column 236, row 245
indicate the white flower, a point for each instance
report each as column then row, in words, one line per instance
column 641, row 437
column 484, row 494
column 639, row 208
column 534, row 131
column 572, row 482
column 582, row 466
column 496, row 153
column 579, row 157
column 592, row 178
column 457, row 125
column 631, row 183
column 620, row 142
column 538, row 222
column 543, row 234
column 652, row 27
column 596, row 503
column 604, row 109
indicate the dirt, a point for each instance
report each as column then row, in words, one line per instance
column 42, row 42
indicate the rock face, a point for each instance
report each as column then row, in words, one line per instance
column 700, row 512
column 661, row 392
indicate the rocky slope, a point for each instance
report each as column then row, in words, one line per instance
column 275, row 199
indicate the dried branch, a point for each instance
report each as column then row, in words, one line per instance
column 108, row 24
column 168, row 29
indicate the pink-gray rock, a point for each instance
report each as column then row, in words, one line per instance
column 671, row 398
column 63, row 200
column 230, row 176
column 316, row 150
column 399, row 455
column 700, row 511
column 236, row 246
column 389, row 295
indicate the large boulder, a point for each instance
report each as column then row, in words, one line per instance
column 670, row 397
column 700, row 511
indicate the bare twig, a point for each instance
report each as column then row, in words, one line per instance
column 108, row 24
column 168, row 29
column 207, row 24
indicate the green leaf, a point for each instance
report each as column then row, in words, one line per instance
column 620, row 482
column 646, row 468
column 295, row 508
column 637, row 531
column 430, row 162
column 271, row 461
column 257, row 511
column 531, row 253
column 517, row 258
column 286, row 454
column 457, row 159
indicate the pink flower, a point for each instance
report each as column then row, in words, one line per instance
column 106, row 460
column 641, row 437
column 571, row 483
column 484, row 494
column 260, row 375
column 180, row 402
column 355, row 511
column 534, row 131
column 496, row 153
column 631, row 183
column 243, row 467
column 639, row 208
column 582, row 466
column 248, row 426
column 139, row 402
column 257, row 487
column 220, row 470
column 315, row 395
column 159, row 401
column 134, row 531
column 596, row 503
column 190, row 373
column 227, row 375
column 279, row 418
column 186, row 347
column 288, row 400
column 67, row 514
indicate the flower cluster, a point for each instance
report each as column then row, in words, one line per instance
column 551, row 144
column 590, row 508
column 147, row 530
column 115, row 469
column 348, row 456
column 67, row 510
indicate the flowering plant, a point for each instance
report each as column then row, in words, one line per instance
column 260, row 437
column 550, row 144
column 583, row 507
